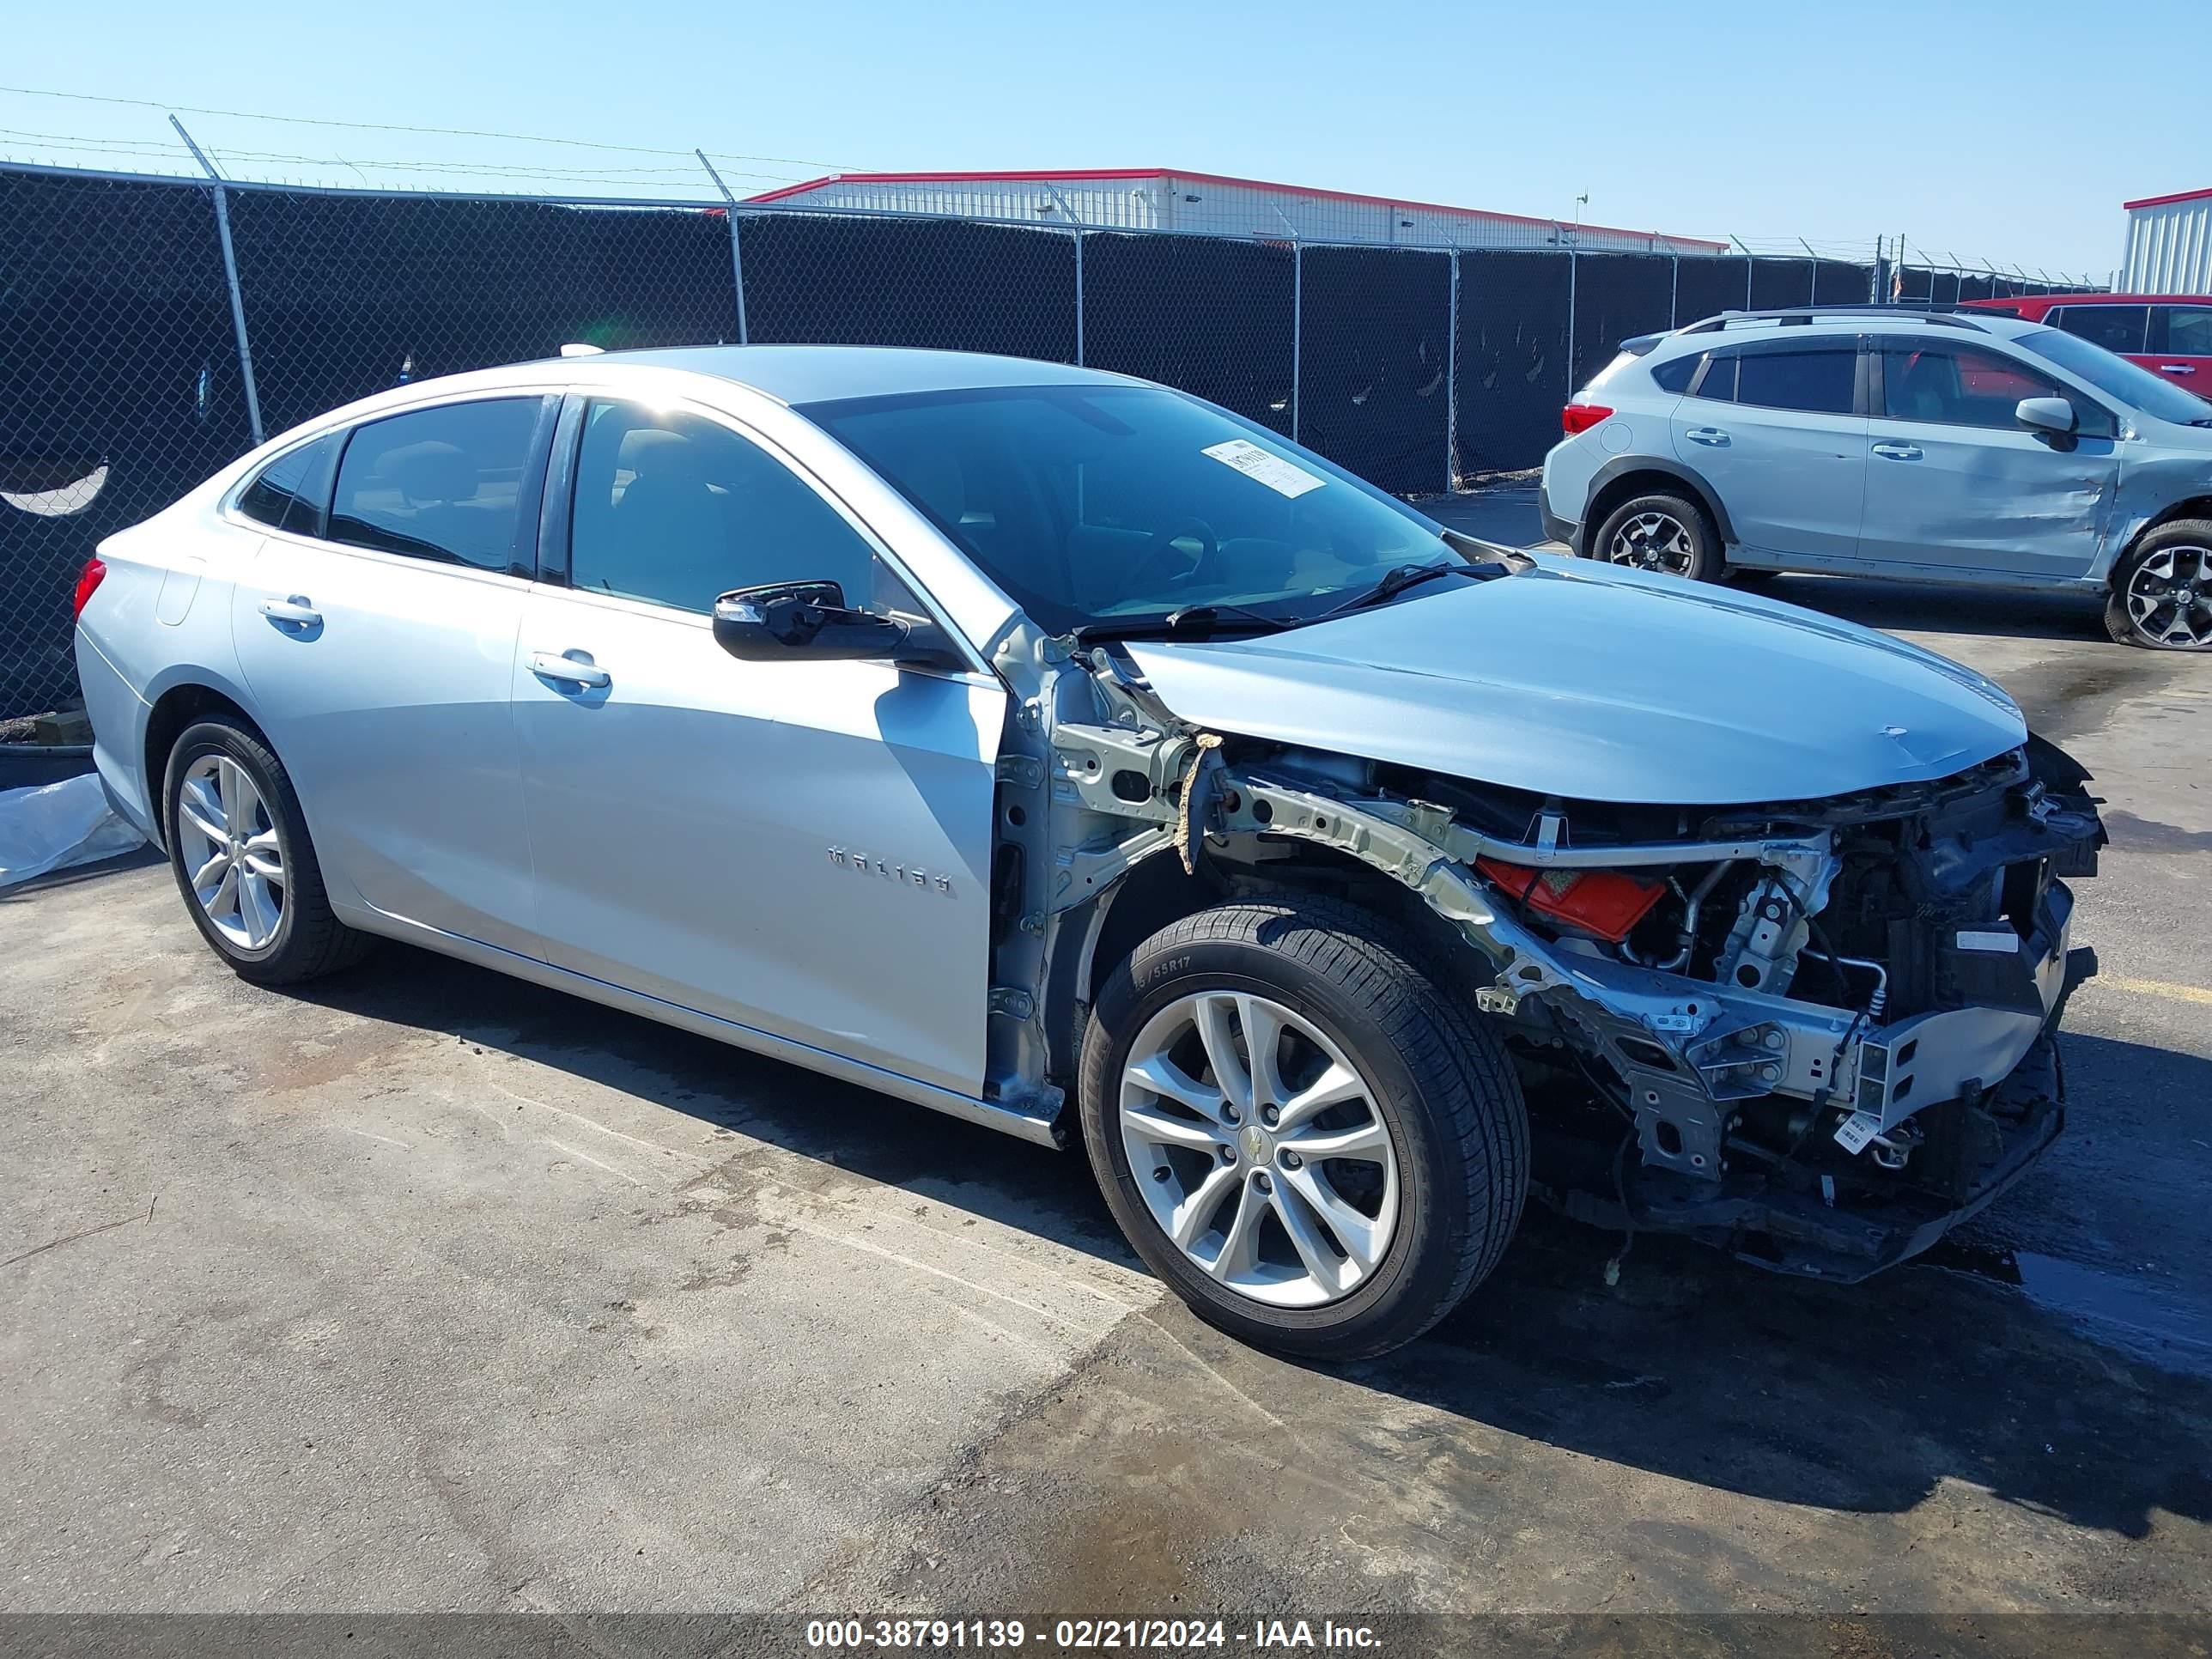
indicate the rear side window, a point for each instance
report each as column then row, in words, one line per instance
column 1718, row 381
column 292, row 490
column 2182, row 331
column 1675, row 376
column 2116, row 328
column 1816, row 382
column 442, row 483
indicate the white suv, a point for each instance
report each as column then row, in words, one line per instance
column 1926, row 444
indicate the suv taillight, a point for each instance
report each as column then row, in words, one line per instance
column 87, row 579
column 1581, row 417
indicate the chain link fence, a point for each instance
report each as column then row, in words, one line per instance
column 151, row 330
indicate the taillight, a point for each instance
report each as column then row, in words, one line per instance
column 1605, row 902
column 87, row 579
column 1581, row 417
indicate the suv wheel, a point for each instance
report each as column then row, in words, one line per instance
column 1298, row 1130
column 2161, row 596
column 239, row 846
column 1669, row 534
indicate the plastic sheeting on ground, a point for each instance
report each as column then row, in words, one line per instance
column 56, row 825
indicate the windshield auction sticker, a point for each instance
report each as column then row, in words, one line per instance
column 1282, row 477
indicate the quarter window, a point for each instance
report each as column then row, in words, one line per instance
column 2116, row 328
column 676, row 509
column 1815, row 382
column 442, row 483
column 292, row 490
column 1674, row 375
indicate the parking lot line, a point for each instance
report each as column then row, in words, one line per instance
column 2154, row 987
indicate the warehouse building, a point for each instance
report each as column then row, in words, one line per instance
column 1153, row 199
column 2169, row 245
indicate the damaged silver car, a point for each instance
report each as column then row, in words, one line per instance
column 1072, row 756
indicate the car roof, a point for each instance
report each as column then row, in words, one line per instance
column 824, row 374
column 1739, row 327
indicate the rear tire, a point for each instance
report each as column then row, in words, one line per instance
column 239, row 850
column 1413, row 1209
column 2161, row 593
column 1672, row 534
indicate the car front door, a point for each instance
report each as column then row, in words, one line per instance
column 2181, row 346
column 1956, row 484
column 376, row 633
column 1777, row 430
column 803, row 848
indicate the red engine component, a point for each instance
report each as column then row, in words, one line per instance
column 1604, row 902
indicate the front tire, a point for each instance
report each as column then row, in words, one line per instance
column 1672, row 534
column 1298, row 1128
column 239, row 850
column 2161, row 594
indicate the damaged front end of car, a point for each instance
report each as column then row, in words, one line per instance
column 1816, row 1033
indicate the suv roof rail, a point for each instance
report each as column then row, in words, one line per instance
column 1940, row 316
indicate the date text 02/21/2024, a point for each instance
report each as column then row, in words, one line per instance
column 1085, row 1635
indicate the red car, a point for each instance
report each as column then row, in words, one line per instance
column 2169, row 334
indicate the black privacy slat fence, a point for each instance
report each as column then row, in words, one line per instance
column 133, row 363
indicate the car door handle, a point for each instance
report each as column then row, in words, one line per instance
column 1897, row 452
column 1707, row 434
column 577, row 670
column 295, row 612
column 2177, row 369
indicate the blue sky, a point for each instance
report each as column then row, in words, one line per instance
column 2008, row 132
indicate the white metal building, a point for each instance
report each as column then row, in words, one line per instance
column 2169, row 245
column 1153, row 198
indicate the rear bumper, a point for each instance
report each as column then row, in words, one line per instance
column 1557, row 529
column 118, row 716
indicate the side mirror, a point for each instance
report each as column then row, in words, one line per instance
column 780, row 621
column 2053, row 417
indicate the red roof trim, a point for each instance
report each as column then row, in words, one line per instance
column 2160, row 200
column 1035, row 175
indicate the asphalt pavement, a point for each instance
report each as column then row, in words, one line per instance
column 425, row 1289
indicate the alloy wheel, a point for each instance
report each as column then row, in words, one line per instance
column 1654, row 541
column 233, row 851
column 1259, row 1149
column 2169, row 597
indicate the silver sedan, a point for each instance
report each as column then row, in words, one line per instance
column 1010, row 737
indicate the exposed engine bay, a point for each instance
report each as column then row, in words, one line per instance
column 1816, row 1033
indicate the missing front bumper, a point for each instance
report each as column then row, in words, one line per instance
column 1792, row 1225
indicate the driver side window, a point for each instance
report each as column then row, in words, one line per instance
column 1966, row 386
column 676, row 509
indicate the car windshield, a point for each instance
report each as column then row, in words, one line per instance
column 2117, row 377
column 1106, row 507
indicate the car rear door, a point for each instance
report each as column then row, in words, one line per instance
column 802, row 847
column 2181, row 345
column 1777, row 428
column 1956, row 485
column 378, row 640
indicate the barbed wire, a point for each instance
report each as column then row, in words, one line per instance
column 388, row 126
column 244, row 163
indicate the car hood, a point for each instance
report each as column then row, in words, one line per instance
column 1595, row 682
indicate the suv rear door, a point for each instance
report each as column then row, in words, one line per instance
column 1777, row 428
column 2181, row 345
column 1955, row 483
